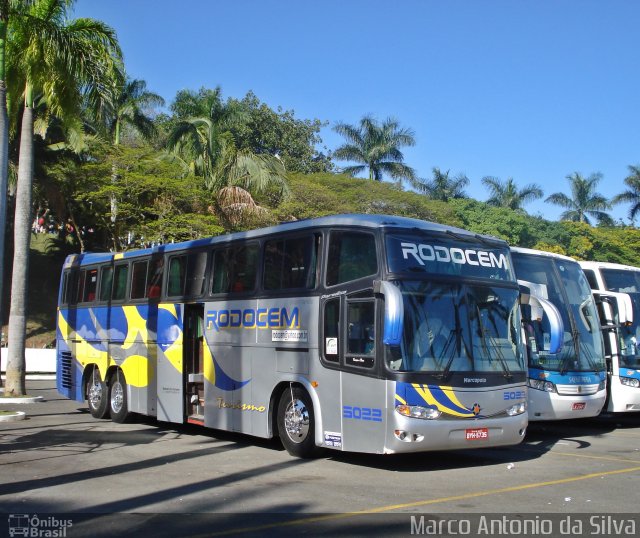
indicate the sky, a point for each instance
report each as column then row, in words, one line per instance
column 529, row 90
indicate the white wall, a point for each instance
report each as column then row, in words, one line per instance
column 38, row 360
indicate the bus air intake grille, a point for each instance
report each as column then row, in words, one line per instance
column 577, row 390
column 66, row 377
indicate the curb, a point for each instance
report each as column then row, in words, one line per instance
column 14, row 417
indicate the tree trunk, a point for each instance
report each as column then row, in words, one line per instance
column 4, row 152
column 15, row 382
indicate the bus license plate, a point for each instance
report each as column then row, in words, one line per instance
column 578, row 406
column 475, row 434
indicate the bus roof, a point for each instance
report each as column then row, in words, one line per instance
column 607, row 265
column 351, row 220
column 522, row 250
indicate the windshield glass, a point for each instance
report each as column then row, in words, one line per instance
column 563, row 283
column 457, row 327
column 625, row 281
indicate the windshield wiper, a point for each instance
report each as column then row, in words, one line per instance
column 492, row 344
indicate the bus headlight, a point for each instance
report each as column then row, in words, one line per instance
column 630, row 382
column 517, row 409
column 541, row 384
column 602, row 385
column 418, row 411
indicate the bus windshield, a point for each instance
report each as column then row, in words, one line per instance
column 563, row 283
column 453, row 327
column 624, row 281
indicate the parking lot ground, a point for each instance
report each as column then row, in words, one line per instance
column 106, row 479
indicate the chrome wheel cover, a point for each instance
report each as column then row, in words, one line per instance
column 297, row 421
column 117, row 397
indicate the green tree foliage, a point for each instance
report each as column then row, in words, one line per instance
column 326, row 194
column 507, row 194
column 632, row 194
column 442, row 187
column 498, row 221
column 376, row 147
column 278, row 132
column 156, row 204
column 584, row 201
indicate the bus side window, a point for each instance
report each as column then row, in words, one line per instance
column 138, row 280
column 90, row 285
column 290, row 263
column 331, row 330
column 177, row 274
column 591, row 278
column 235, row 269
column 196, row 271
column 352, row 255
column 361, row 329
column 106, row 282
column 120, row 282
column 154, row 278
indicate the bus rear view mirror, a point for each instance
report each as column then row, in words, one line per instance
column 393, row 312
column 620, row 303
column 548, row 309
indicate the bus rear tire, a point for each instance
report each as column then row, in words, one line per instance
column 97, row 394
column 118, row 404
column 296, row 423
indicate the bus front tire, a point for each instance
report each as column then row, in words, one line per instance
column 118, row 404
column 97, row 395
column 296, row 424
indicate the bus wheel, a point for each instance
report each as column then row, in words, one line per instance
column 97, row 395
column 296, row 425
column 118, row 398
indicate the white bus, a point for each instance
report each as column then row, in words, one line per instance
column 618, row 288
column 567, row 378
column 363, row 333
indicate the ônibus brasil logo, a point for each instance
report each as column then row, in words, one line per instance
column 428, row 253
column 38, row 527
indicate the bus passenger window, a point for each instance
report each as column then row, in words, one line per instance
column 120, row 282
column 90, row 285
column 290, row 264
column 196, row 271
column 138, row 280
column 352, row 255
column 154, row 279
column 235, row 269
column 177, row 275
column 106, row 282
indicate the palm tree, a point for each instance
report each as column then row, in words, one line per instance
column 207, row 148
column 376, row 147
column 507, row 194
column 130, row 109
column 442, row 187
column 631, row 196
column 584, row 201
column 58, row 61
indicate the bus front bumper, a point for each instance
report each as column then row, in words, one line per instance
column 416, row 435
column 552, row 406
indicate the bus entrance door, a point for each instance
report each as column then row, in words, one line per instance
column 194, row 363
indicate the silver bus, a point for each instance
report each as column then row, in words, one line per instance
column 361, row 333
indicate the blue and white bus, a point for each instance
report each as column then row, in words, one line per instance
column 360, row 333
column 617, row 289
column 567, row 378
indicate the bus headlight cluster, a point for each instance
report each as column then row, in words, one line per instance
column 517, row 409
column 541, row 384
column 418, row 411
column 602, row 385
column 630, row 382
